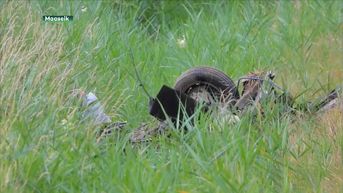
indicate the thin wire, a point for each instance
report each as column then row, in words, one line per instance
column 137, row 75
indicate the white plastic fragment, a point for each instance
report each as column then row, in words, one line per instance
column 94, row 110
column 89, row 98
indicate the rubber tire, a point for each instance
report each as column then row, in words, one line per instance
column 207, row 76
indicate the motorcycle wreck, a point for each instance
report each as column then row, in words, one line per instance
column 209, row 90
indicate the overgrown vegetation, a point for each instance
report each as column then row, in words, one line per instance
column 45, row 148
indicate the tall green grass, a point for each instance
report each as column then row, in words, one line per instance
column 45, row 148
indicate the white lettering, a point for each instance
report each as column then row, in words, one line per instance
column 47, row 18
column 57, row 18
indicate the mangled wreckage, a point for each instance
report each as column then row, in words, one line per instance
column 209, row 89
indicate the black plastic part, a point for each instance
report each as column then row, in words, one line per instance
column 172, row 103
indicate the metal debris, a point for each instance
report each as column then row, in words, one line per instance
column 257, row 87
column 332, row 100
column 177, row 106
column 144, row 133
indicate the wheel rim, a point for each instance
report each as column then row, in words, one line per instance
column 203, row 93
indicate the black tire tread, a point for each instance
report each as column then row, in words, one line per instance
column 206, row 75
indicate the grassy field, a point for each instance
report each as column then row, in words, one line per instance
column 45, row 148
